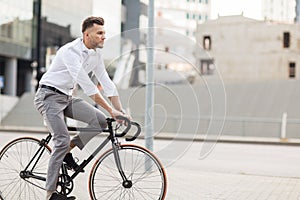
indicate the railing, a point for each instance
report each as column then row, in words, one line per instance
column 230, row 126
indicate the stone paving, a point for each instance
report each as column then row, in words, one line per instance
column 232, row 171
column 220, row 186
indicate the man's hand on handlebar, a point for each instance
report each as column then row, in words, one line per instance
column 116, row 113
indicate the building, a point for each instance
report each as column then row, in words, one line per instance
column 67, row 13
column 23, row 55
column 184, row 15
column 247, row 49
column 52, row 37
column 15, row 46
column 19, row 39
column 279, row 10
column 30, row 44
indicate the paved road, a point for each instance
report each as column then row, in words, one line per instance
column 231, row 171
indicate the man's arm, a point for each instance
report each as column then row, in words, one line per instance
column 115, row 100
column 98, row 98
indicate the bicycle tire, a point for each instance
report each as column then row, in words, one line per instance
column 149, row 179
column 14, row 157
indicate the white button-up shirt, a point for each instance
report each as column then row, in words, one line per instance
column 72, row 64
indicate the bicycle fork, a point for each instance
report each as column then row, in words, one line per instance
column 126, row 182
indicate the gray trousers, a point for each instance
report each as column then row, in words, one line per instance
column 54, row 107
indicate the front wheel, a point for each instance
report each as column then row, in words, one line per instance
column 144, row 171
column 14, row 182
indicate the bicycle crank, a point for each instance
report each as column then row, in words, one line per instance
column 64, row 184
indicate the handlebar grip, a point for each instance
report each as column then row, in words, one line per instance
column 137, row 132
column 127, row 123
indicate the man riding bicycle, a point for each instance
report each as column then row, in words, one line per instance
column 72, row 64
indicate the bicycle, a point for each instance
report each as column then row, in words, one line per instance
column 125, row 171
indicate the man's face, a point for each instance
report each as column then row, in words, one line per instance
column 95, row 36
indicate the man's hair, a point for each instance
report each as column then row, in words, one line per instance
column 90, row 21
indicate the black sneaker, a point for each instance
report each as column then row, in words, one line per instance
column 56, row 196
column 71, row 164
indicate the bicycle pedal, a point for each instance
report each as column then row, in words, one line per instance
column 72, row 169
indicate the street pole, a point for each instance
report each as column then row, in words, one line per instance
column 38, row 36
column 36, row 64
column 149, row 120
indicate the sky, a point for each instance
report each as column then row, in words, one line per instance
column 249, row 8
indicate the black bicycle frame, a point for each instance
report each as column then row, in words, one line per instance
column 28, row 173
column 111, row 137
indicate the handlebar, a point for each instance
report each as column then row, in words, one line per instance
column 137, row 132
column 128, row 125
column 124, row 120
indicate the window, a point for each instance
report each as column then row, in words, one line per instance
column 167, row 49
column 194, row 16
column 286, row 39
column 207, row 42
column 292, row 70
column 187, row 15
column 207, row 66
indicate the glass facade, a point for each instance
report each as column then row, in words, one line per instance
column 20, row 45
column 16, row 28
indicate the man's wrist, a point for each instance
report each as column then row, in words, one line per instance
column 123, row 111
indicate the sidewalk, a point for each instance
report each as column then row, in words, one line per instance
column 236, row 171
column 226, row 186
column 232, row 171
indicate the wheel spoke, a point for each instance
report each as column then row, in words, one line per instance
column 140, row 166
column 13, row 159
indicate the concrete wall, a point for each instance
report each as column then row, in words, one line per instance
column 247, row 49
column 243, row 109
column 6, row 105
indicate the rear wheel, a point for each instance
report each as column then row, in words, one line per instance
column 145, row 174
column 14, row 182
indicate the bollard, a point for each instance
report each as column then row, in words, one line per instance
column 283, row 128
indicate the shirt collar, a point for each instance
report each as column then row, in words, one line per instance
column 85, row 49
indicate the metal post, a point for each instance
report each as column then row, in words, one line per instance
column 34, row 81
column 149, row 78
column 38, row 35
column 37, row 14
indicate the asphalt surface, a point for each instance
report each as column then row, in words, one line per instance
column 214, row 171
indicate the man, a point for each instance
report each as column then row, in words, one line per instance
column 72, row 64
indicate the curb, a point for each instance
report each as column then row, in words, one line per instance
column 179, row 137
column 233, row 139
